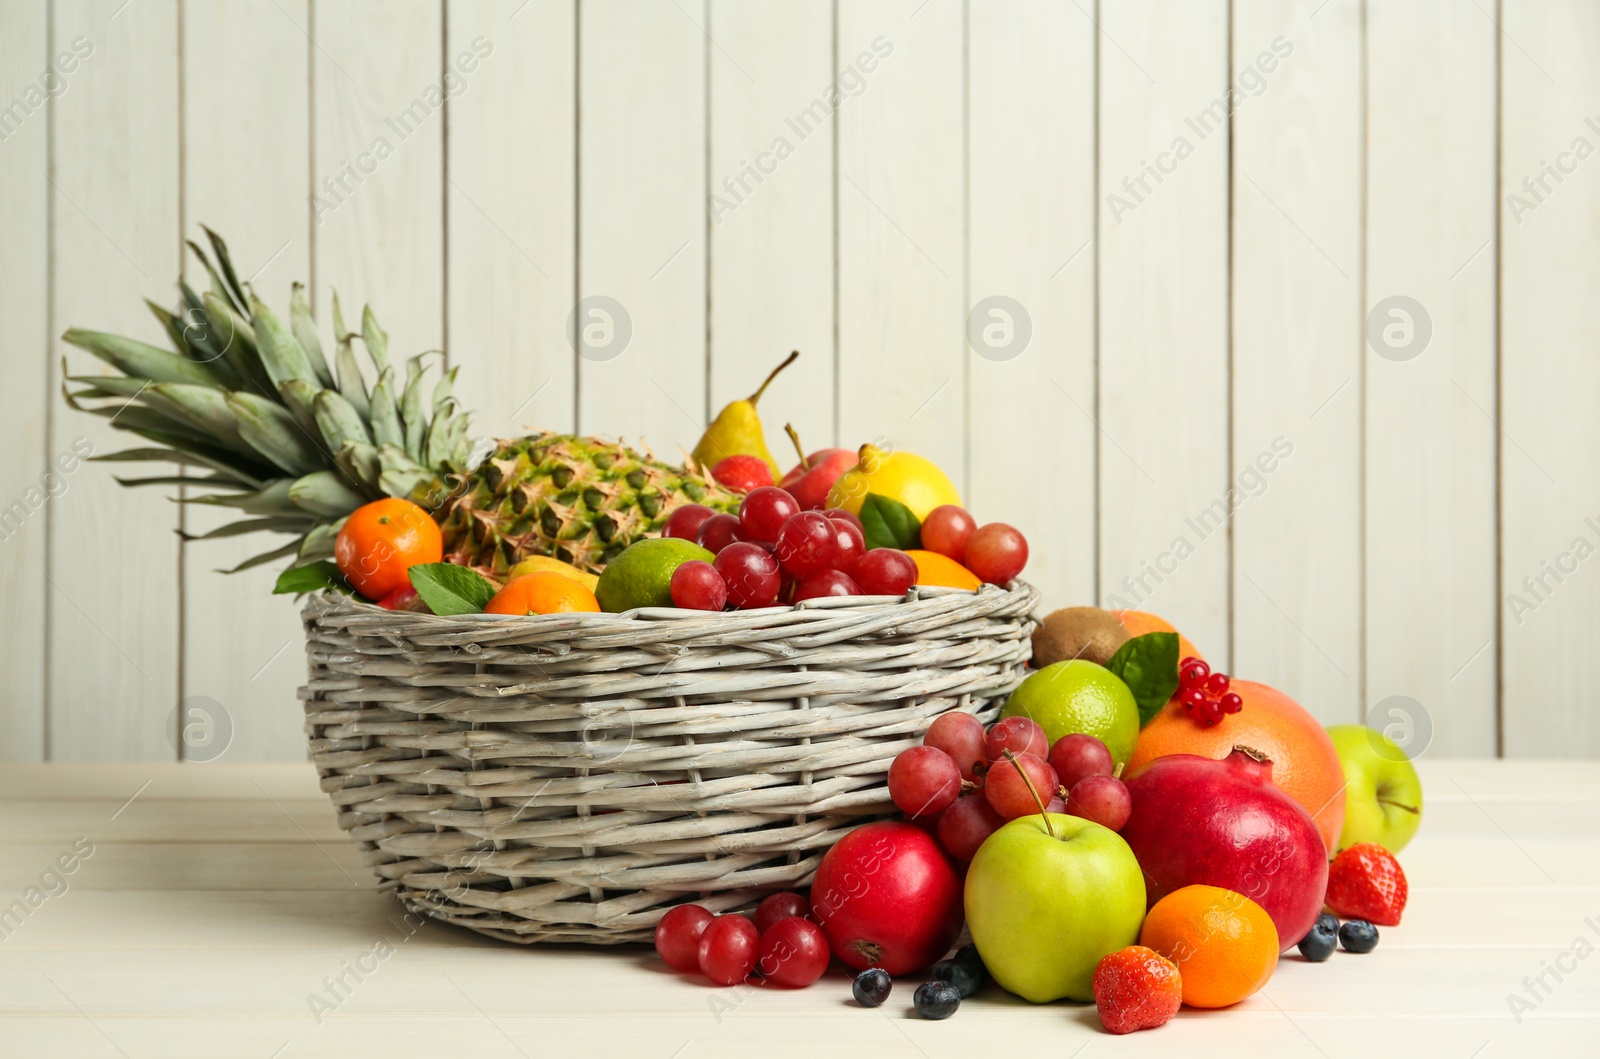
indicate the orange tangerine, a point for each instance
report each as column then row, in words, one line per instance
column 1224, row 944
column 542, row 593
column 1137, row 622
column 936, row 569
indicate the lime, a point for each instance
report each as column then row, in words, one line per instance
column 1079, row 696
column 642, row 575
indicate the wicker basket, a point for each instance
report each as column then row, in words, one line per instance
column 570, row 778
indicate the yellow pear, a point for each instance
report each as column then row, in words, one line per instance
column 914, row 481
column 737, row 430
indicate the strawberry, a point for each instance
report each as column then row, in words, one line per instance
column 1366, row 882
column 743, row 473
column 1136, row 989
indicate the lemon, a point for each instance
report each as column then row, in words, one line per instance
column 1079, row 696
column 916, row 482
column 541, row 564
column 642, row 575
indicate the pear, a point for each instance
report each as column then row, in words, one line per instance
column 737, row 430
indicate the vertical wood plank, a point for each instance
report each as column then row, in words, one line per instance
column 642, row 222
column 1549, row 376
column 771, row 206
column 1297, row 330
column 1163, row 316
column 378, row 166
column 113, row 644
column 511, row 210
column 1430, row 442
column 902, row 258
column 1031, row 201
column 245, row 67
column 27, row 400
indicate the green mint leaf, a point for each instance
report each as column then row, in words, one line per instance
column 450, row 589
column 888, row 523
column 312, row 577
column 1148, row 664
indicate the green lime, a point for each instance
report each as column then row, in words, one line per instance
column 1078, row 696
column 642, row 575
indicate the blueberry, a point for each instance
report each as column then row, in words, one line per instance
column 936, row 999
column 1329, row 922
column 1319, row 942
column 872, row 987
column 968, row 955
column 958, row 974
column 1358, row 936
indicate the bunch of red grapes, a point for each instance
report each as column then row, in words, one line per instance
column 772, row 550
column 1205, row 694
column 964, row 782
column 780, row 944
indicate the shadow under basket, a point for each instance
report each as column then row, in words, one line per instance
column 569, row 778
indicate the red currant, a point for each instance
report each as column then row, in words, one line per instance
column 1209, row 712
column 824, row 583
column 696, row 585
column 1191, row 697
column 1192, row 672
column 678, row 936
column 885, row 572
column 728, row 949
column 805, row 544
column 1217, row 684
column 751, row 574
column 947, row 529
column 996, row 553
column 763, row 512
column 719, row 531
column 1232, row 703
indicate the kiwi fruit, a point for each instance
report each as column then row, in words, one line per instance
column 1078, row 632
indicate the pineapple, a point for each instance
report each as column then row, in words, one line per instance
column 296, row 445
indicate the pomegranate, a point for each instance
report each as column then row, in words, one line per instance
column 886, row 897
column 1224, row 823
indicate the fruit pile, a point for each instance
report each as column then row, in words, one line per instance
column 1116, row 836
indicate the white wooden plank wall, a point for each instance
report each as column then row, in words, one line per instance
column 1223, row 227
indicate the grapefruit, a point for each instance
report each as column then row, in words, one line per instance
column 1304, row 762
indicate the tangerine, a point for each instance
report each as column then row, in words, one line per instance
column 544, row 592
column 382, row 540
column 936, row 569
column 1225, row 945
column 1304, row 762
column 1137, row 622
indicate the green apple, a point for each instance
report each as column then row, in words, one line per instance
column 1044, row 905
column 1382, row 794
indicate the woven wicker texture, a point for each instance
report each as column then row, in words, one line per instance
column 571, row 777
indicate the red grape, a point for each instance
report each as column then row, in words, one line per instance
column 960, row 736
column 1020, row 735
column 1009, row 795
column 947, row 529
column 923, row 781
column 1103, row 799
column 1055, row 805
column 774, row 907
column 805, row 544
column 996, row 553
column 841, row 513
column 763, row 512
column 719, row 531
column 885, row 572
column 1076, row 756
column 825, row 583
column 965, row 825
column 794, row 952
column 685, row 522
column 678, row 936
column 728, row 949
column 849, row 545
column 751, row 573
column 696, row 585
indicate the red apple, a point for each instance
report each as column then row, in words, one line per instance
column 1225, row 823
column 886, row 897
column 810, row 482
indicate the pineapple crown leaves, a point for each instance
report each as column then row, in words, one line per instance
column 251, row 403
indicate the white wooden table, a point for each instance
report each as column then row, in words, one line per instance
column 218, row 899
